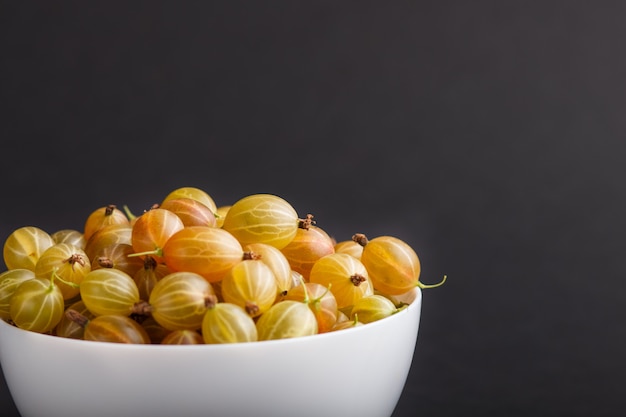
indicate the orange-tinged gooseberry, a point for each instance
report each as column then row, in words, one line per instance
column 152, row 230
column 393, row 265
column 194, row 193
column 110, row 328
column 309, row 245
column 106, row 236
column 103, row 216
column 208, row 251
column 190, row 211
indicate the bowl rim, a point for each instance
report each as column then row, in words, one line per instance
column 43, row 337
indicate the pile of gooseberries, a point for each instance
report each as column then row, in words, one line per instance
column 186, row 271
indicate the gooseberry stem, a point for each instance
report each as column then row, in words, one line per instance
column 104, row 262
column 357, row 279
column 317, row 301
column 75, row 259
column 57, row 276
column 108, row 210
column 330, row 284
column 360, row 238
column 129, row 214
column 142, row 308
column 440, row 283
column 210, row 301
column 251, row 308
column 157, row 252
column 307, row 222
column 249, row 255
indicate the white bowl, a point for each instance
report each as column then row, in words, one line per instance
column 356, row 372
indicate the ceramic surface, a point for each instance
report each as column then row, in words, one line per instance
column 357, row 372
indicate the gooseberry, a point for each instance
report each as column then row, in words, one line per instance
column 393, row 265
column 179, row 300
column 9, row 281
column 104, row 216
column 262, row 218
column 69, row 263
column 228, row 323
column 191, row 212
column 195, row 194
column 208, row 251
column 345, row 275
column 308, row 245
column 37, row 305
column 287, row 319
column 110, row 328
column 151, row 231
column 251, row 285
column 24, row 246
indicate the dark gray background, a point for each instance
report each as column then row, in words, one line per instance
column 488, row 135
